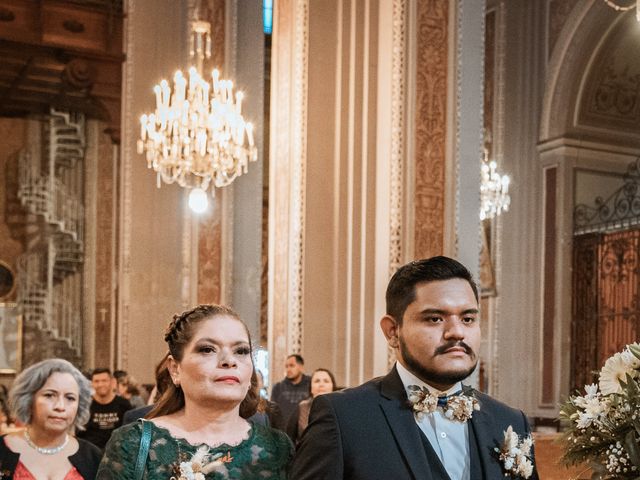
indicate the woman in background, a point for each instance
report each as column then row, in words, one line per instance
column 322, row 381
column 51, row 399
column 199, row 424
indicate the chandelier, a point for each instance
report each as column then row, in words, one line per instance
column 494, row 189
column 197, row 136
column 621, row 8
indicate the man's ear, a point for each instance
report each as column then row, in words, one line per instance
column 389, row 327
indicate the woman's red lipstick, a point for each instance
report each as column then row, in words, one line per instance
column 228, row 379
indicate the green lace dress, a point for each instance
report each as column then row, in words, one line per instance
column 265, row 454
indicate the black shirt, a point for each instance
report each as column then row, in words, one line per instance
column 104, row 419
column 288, row 394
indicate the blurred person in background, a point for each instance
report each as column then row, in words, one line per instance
column 293, row 389
column 322, row 381
column 268, row 413
column 106, row 410
column 51, row 399
column 163, row 379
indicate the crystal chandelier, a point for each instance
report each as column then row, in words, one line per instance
column 624, row 8
column 197, row 136
column 494, row 189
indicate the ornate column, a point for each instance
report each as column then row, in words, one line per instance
column 286, row 178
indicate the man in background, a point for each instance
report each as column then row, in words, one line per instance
column 293, row 389
column 107, row 409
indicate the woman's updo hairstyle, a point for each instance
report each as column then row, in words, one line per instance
column 178, row 335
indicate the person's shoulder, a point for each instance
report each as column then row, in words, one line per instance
column 122, row 402
column 128, row 433
column 273, row 439
column 88, row 450
column 368, row 389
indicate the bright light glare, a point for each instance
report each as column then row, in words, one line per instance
column 198, row 200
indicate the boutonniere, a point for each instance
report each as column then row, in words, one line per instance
column 515, row 454
column 458, row 407
column 200, row 464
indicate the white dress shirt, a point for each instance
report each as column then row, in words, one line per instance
column 449, row 439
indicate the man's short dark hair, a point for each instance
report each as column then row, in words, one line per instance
column 401, row 290
column 299, row 359
column 99, row 370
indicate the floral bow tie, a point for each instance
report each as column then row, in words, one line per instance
column 458, row 407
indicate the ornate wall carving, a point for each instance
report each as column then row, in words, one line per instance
column 287, row 165
column 105, row 250
column 430, row 127
column 209, row 255
column 398, row 100
column 209, row 224
column 12, row 215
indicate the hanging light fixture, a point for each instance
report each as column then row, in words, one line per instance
column 620, row 8
column 494, row 189
column 197, row 136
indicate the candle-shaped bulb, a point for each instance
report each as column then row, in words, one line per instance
column 157, row 91
column 249, row 127
column 239, row 97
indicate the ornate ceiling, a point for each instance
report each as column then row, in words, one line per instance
column 62, row 54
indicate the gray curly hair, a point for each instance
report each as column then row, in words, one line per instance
column 33, row 379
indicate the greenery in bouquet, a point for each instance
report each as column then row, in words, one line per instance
column 604, row 423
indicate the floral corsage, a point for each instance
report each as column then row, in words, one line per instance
column 458, row 407
column 515, row 454
column 200, row 464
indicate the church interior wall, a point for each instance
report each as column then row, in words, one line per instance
column 13, row 133
column 150, row 283
column 332, row 212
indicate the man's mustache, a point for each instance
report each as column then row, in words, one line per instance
column 442, row 349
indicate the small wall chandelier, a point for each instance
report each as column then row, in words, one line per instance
column 494, row 189
column 197, row 136
column 621, row 8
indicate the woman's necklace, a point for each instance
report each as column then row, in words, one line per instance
column 43, row 450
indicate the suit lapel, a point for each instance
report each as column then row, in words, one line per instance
column 487, row 465
column 403, row 426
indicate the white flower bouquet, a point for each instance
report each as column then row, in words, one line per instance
column 604, row 423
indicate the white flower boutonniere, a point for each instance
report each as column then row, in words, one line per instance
column 200, row 464
column 515, row 454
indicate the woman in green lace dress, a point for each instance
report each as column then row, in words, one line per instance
column 198, row 428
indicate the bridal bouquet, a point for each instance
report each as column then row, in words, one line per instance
column 604, row 423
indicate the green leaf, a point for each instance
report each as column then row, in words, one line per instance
column 632, row 448
column 635, row 349
column 631, row 386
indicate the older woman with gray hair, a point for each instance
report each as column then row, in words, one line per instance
column 51, row 398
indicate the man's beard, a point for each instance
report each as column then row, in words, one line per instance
column 429, row 375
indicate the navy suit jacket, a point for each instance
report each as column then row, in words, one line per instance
column 369, row 432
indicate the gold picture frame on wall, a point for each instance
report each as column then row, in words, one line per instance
column 10, row 339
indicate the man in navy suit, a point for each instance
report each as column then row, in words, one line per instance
column 448, row 431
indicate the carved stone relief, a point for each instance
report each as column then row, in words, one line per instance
column 430, row 130
column 611, row 96
column 209, row 225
